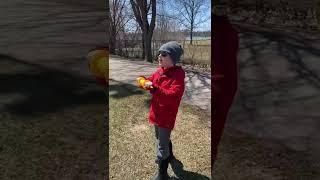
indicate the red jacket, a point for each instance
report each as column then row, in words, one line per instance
column 168, row 90
column 225, row 51
column 224, row 76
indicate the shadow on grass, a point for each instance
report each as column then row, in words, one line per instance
column 42, row 90
column 148, row 102
column 259, row 79
column 178, row 170
column 118, row 89
column 270, row 92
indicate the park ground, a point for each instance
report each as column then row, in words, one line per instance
column 54, row 129
column 53, row 123
column 241, row 156
column 132, row 142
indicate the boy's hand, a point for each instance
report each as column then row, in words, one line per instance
column 148, row 84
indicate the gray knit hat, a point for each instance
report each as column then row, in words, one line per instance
column 174, row 49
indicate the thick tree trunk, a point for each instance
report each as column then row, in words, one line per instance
column 191, row 31
column 140, row 10
column 148, row 49
column 143, row 46
column 191, row 35
column 113, row 41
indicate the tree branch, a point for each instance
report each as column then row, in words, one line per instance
column 136, row 12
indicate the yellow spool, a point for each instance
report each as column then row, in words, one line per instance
column 141, row 81
column 98, row 63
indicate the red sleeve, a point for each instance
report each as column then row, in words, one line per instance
column 218, row 44
column 225, row 50
column 151, row 78
column 176, row 89
column 231, row 64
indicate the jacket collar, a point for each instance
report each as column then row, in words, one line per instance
column 168, row 71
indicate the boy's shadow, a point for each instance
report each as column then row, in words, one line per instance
column 182, row 174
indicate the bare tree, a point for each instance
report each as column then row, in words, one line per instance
column 119, row 18
column 141, row 10
column 166, row 23
column 191, row 13
column 162, row 22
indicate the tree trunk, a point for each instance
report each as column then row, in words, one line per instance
column 148, row 48
column 143, row 46
column 140, row 9
column 191, row 35
column 191, row 28
column 113, row 41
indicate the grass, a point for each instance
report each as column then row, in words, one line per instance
column 197, row 53
column 198, row 42
column 52, row 125
column 132, row 143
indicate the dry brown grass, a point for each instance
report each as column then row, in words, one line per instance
column 199, row 52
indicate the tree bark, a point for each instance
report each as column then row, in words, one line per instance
column 143, row 46
column 191, row 34
column 113, row 40
column 148, row 49
column 141, row 9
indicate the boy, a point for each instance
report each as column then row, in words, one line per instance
column 168, row 88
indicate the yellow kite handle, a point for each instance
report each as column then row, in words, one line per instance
column 98, row 64
column 141, row 80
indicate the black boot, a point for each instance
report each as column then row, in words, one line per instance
column 162, row 170
column 171, row 157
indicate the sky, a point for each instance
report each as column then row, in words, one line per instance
column 170, row 7
column 206, row 26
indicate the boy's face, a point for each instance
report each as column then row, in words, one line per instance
column 164, row 59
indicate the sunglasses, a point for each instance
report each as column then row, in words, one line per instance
column 163, row 54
